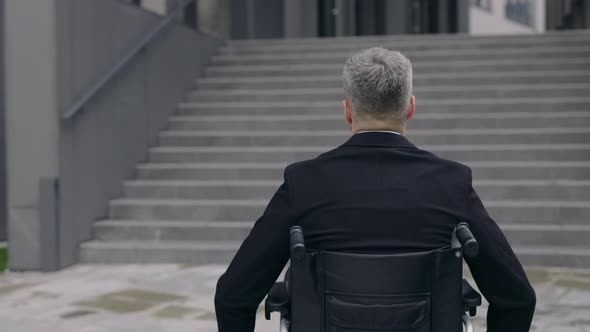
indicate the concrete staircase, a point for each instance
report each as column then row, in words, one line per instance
column 516, row 109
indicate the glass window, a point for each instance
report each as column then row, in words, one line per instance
column 519, row 11
column 483, row 4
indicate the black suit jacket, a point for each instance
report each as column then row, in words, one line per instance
column 377, row 193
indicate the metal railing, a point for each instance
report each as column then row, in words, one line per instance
column 78, row 105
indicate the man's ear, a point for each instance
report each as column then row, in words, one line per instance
column 411, row 108
column 347, row 111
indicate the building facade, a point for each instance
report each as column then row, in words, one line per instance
column 46, row 62
column 506, row 17
column 247, row 19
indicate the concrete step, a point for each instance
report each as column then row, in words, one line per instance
column 551, row 212
column 421, row 121
column 264, row 189
column 200, row 253
column 157, row 231
column 559, row 190
column 145, row 252
column 534, row 170
column 465, row 153
column 563, row 256
column 203, row 189
column 450, row 67
column 425, row 39
column 420, row 80
column 337, row 137
column 536, row 104
column 211, row 171
column 547, row 52
column 403, row 45
column 574, row 236
column 517, row 211
column 513, row 108
column 422, row 93
column 171, row 230
column 198, row 210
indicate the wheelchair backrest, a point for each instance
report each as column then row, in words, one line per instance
column 346, row 292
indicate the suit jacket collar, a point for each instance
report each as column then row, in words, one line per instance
column 379, row 139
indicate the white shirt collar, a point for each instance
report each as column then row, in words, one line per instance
column 379, row 131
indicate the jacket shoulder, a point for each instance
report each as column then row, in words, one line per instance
column 460, row 167
column 296, row 166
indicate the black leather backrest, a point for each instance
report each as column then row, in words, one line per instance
column 418, row 292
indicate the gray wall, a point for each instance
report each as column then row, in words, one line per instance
column 56, row 50
column 32, row 122
column 3, row 214
column 101, row 146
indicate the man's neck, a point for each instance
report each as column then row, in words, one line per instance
column 396, row 129
column 379, row 131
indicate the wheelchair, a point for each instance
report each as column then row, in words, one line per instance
column 347, row 292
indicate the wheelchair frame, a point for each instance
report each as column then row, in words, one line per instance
column 278, row 299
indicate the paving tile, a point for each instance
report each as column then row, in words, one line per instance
column 162, row 298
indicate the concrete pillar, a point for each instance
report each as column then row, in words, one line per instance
column 266, row 19
column 367, row 18
column 256, row 19
column 553, row 16
column 345, row 20
column 463, row 7
column 538, row 9
column 157, row 6
column 443, row 16
column 396, row 13
column 239, row 19
column 300, row 18
column 32, row 122
column 214, row 17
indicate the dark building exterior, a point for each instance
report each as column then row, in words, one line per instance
column 568, row 14
column 333, row 18
column 255, row 19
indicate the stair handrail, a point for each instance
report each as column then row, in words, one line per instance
column 78, row 105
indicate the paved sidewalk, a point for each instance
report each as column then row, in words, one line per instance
column 133, row 298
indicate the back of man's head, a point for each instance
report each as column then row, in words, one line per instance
column 378, row 84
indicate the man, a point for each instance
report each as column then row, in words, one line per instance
column 377, row 193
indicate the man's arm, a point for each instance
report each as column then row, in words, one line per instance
column 256, row 266
column 498, row 273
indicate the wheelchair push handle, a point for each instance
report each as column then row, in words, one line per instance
column 467, row 240
column 297, row 242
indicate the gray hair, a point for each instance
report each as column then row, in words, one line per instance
column 378, row 83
